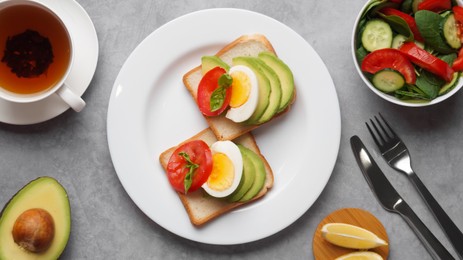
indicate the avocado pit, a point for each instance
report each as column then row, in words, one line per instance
column 34, row 230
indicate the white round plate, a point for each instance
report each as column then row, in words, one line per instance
column 150, row 111
column 85, row 44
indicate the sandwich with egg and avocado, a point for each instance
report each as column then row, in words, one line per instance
column 241, row 87
column 212, row 177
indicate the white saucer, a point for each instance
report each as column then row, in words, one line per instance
column 86, row 56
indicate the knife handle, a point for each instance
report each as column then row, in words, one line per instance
column 451, row 230
column 435, row 248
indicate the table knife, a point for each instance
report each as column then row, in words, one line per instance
column 391, row 200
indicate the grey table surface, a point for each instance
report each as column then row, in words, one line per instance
column 106, row 224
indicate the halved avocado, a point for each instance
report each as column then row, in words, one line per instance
column 44, row 194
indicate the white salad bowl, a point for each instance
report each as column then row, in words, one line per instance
column 388, row 97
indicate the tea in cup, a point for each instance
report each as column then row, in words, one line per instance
column 36, row 54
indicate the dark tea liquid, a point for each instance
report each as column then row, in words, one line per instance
column 15, row 20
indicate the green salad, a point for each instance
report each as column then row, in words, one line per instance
column 411, row 49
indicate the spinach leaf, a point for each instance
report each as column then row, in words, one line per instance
column 399, row 25
column 429, row 83
column 449, row 58
column 360, row 53
column 407, row 6
column 376, row 5
column 429, row 25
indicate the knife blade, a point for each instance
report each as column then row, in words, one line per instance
column 391, row 200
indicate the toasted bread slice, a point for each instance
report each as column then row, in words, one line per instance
column 247, row 45
column 201, row 207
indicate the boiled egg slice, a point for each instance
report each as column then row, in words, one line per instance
column 227, row 169
column 245, row 93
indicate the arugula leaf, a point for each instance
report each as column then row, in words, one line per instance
column 191, row 170
column 218, row 96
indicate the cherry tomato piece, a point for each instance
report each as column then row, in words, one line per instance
column 427, row 61
column 458, row 12
column 458, row 63
column 435, row 5
column 407, row 18
column 207, row 85
column 389, row 59
column 199, row 153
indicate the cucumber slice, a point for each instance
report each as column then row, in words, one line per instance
column 450, row 32
column 388, row 80
column 449, row 86
column 376, row 35
column 398, row 40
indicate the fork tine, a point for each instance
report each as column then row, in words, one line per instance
column 373, row 135
column 388, row 126
column 385, row 133
column 378, row 132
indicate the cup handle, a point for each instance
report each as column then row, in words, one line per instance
column 73, row 100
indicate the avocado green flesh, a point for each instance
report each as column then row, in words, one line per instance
column 264, row 87
column 275, row 93
column 45, row 193
column 284, row 74
column 210, row 62
column 247, row 178
column 259, row 178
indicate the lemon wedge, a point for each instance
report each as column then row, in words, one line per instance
column 361, row 255
column 350, row 236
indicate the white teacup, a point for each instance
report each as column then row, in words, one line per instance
column 36, row 54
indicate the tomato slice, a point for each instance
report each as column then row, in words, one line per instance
column 389, row 59
column 435, row 5
column 199, row 153
column 458, row 63
column 427, row 61
column 207, row 85
column 458, row 12
column 407, row 18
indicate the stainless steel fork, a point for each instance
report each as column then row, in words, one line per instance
column 397, row 156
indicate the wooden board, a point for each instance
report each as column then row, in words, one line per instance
column 324, row 250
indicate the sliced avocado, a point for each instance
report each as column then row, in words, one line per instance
column 210, row 62
column 275, row 93
column 259, row 178
column 247, row 178
column 264, row 87
column 284, row 74
column 44, row 194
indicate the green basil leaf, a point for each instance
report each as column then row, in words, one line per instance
column 188, row 180
column 218, row 96
column 225, row 80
